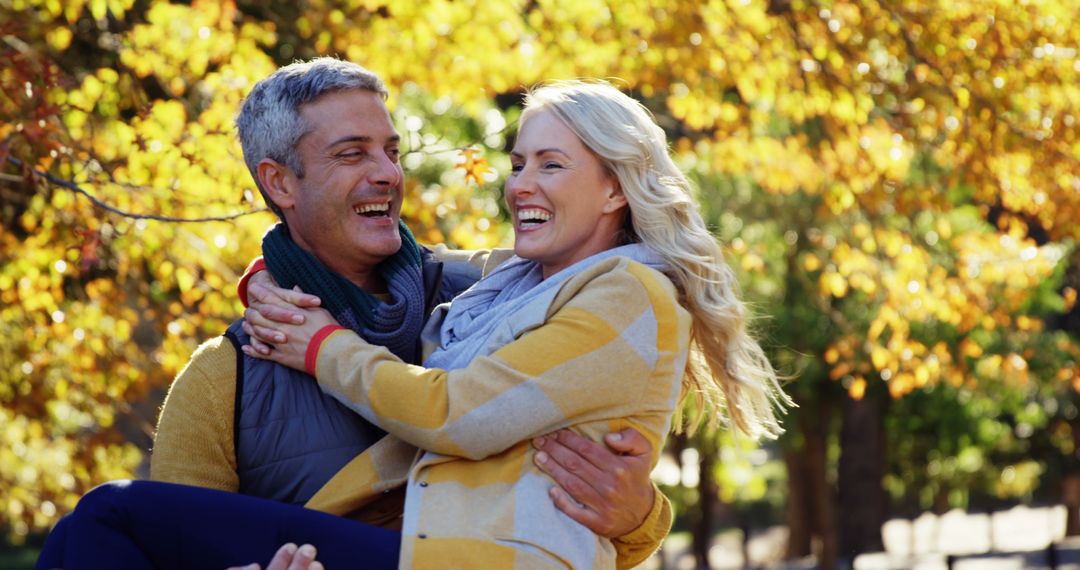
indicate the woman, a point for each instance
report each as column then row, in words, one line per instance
column 616, row 291
column 583, row 329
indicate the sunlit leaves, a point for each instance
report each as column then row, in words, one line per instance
column 902, row 176
column 475, row 166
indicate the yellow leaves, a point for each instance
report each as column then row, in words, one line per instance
column 780, row 166
column 179, row 42
column 963, row 98
column 185, row 280
column 833, row 283
column 98, row 9
column 970, row 348
column 167, row 118
column 752, row 262
column 839, row 198
column 880, row 357
column 475, row 166
column 59, row 38
column 858, row 388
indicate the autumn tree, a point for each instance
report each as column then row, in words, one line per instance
column 896, row 182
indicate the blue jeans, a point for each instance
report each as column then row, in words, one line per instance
column 148, row 524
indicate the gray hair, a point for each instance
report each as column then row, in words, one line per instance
column 269, row 122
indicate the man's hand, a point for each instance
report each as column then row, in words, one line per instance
column 607, row 490
column 289, row 557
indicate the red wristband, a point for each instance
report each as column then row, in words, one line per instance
column 241, row 288
column 311, row 355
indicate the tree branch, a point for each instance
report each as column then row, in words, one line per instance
column 69, row 185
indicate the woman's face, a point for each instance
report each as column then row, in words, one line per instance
column 564, row 204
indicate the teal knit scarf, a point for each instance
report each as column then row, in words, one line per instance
column 395, row 324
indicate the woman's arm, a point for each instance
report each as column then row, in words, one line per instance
column 595, row 359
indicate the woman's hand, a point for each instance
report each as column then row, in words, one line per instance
column 288, row 341
column 278, row 305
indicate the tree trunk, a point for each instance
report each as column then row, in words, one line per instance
column 797, row 511
column 811, row 507
column 707, row 495
column 1070, row 486
column 823, row 500
column 862, row 498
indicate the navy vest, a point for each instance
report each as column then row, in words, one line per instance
column 290, row 438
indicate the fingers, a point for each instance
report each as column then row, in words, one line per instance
column 271, row 294
column 610, row 493
column 259, row 346
column 304, row 558
column 573, row 473
column 261, row 328
column 273, row 307
column 301, row 299
column 577, row 511
column 628, row 442
column 279, row 313
column 573, row 444
column 282, row 557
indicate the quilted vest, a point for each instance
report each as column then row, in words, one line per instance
column 290, row 438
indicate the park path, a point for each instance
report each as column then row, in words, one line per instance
column 1015, row 539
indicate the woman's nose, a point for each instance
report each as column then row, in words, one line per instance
column 523, row 182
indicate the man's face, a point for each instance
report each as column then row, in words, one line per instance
column 348, row 203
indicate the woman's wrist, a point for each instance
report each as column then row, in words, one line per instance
column 242, row 287
column 311, row 355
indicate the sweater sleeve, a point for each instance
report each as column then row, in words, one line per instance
column 194, row 440
column 592, row 360
column 636, row 546
column 258, row 264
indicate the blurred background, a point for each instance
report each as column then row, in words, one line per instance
column 896, row 183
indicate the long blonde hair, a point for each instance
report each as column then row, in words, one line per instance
column 728, row 373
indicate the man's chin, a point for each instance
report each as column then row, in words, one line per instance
column 381, row 248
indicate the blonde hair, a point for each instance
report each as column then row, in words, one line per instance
column 728, row 373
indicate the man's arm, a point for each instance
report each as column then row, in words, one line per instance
column 194, row 440
column 608, row 489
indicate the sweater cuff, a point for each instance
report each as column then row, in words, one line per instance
column 241, row 288
column 311, row 355
column 655, row 526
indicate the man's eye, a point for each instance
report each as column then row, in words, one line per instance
column 394, row 153
column 352, row 154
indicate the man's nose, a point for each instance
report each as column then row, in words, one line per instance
column 387, row 172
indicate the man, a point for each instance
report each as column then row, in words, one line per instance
column 318, row 140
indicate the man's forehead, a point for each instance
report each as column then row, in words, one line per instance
column 355, row 113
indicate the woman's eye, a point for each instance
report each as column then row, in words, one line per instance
column 552, row 165
column 516, row 167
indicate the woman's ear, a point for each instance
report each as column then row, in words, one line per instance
column 615, row 197
column 278, row 181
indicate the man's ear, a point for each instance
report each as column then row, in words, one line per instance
column 278, row 181
column 615, row 197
